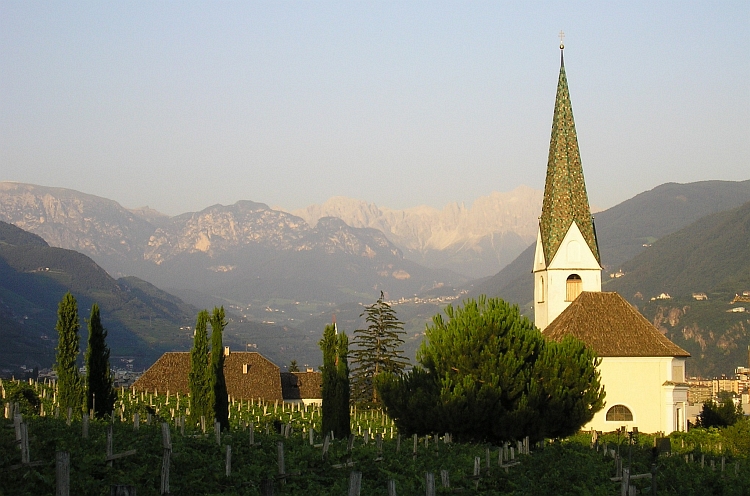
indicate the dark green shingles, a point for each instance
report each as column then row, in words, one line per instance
column 565, row 198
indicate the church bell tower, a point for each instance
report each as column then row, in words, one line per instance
column 566, row 260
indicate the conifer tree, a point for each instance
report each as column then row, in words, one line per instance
column 218, row 383
column 335, row 388
column 490, row 375
column 70, row 386
column 100, row 394
column 377, row 349
column 200, row 386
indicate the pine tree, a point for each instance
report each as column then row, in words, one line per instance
column 335, row 389
column 70, row 386
column 101, row 394
column 489, row 375
column 377, row 349
column 200, row 387
column 218, row 383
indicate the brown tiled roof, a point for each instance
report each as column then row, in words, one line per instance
column 247, row 374
column 301, row 385
column 612, row 327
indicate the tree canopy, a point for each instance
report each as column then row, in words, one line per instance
column 376, row 349
column 199, row 378
column 335, row 388
column 100, row 395
column 70, row 384
column 489, row 375
column 218, row 383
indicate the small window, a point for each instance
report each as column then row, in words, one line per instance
column 245, row 368
column 619, row 413
column 540, row 298
column 573, row 287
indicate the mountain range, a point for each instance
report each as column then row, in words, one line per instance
column 281, row 276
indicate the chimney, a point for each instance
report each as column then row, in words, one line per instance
column 226, row 351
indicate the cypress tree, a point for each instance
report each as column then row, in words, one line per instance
column 219, row 385
column 101, row 394
column 377, row 349
column 200, row 387
column 343, row 424
column 335, row 389
column 69, row 383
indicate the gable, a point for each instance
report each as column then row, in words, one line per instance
column 574, row 252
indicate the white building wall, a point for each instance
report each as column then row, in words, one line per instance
column 550, row 282
column 646, row 387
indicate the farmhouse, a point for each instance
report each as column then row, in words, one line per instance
column 643, row 372
column 248, row 375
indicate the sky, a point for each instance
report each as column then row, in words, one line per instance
column 182, row 105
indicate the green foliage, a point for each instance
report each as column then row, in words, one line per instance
column 723, row 414
column 70, row 389
column 335, row 387
column 491, row 376
column 201, row 404
column 23, row 394
column 293, row 367
column 100, row 393
column 377, row 349
column 218, row 383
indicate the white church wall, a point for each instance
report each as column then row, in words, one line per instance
column 638, row 384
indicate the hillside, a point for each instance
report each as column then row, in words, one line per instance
column 240, row 254
column 141, row 319
column 625, row 230
column 710, row 256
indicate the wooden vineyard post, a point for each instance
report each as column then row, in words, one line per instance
column 217, row 433
column 282, row 467
column 445, row 478
column 109, row 447
column 398, row 443
column 625, row 482
column 414, row 450
column 430, row 483
column 477, row 471
column 70, row 415
column 252, row 433
column 136, row 421
column 85, row 426
column 229, row 460
column 355, row 483
column 391, row 487
column 165, row 471
column 24, row 443
column 266, row 487
column 62, row 473
column 326, row 443
column 379, row 444
column 119, row 490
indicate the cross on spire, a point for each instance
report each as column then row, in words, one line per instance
column 562, row 35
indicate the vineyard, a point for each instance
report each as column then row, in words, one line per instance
column 275, row 448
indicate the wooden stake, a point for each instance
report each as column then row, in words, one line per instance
column 355, row 483
column 62, row 473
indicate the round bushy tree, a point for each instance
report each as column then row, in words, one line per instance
column 489, row 375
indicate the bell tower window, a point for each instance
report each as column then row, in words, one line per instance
column 573, row 287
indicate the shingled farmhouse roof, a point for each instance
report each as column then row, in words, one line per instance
column 247, row 374
column 565, row 198
column 611, row 327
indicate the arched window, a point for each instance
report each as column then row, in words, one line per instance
column 540, row 298
column 619, row 413
column 574, row 287
column 574, row 251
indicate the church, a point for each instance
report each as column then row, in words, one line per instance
column 642, row 371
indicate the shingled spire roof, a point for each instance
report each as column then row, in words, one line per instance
column 565, row 199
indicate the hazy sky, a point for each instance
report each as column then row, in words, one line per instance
column 180, row 105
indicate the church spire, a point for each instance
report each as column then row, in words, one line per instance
column 565, row 199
